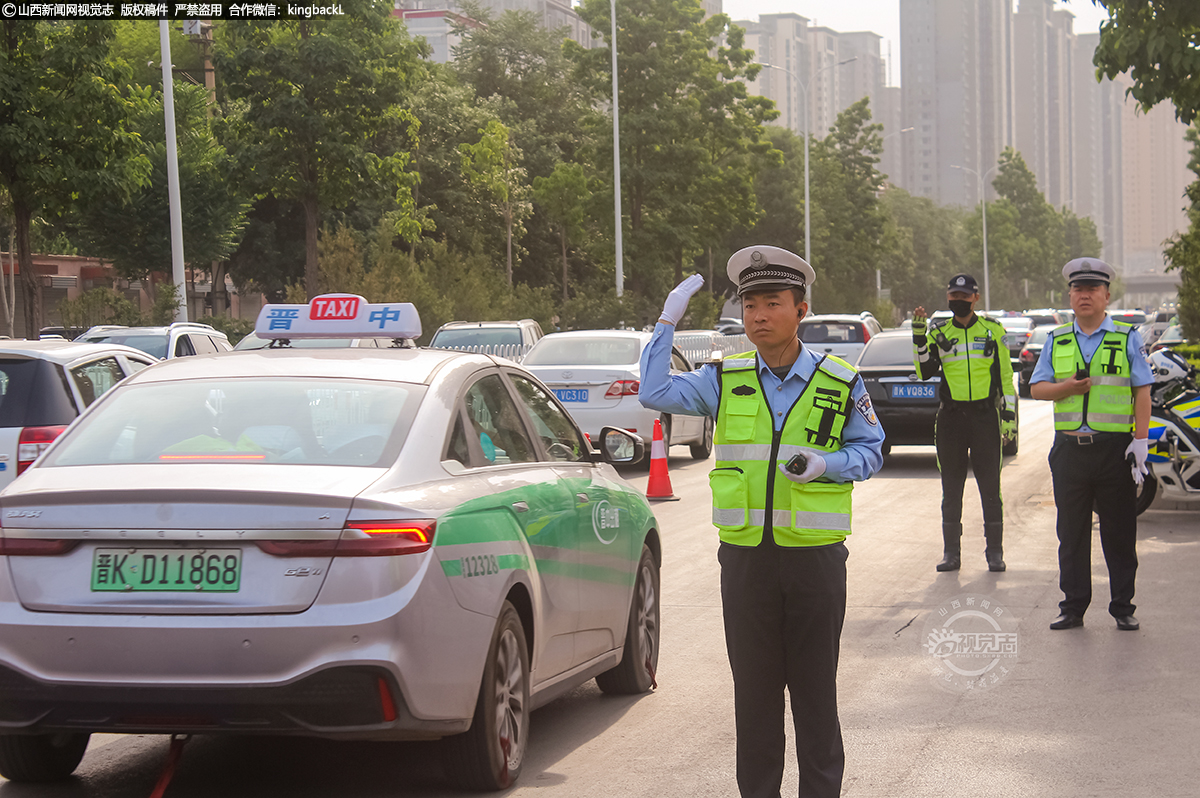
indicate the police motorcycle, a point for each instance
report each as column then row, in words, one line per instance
column 1174, row 455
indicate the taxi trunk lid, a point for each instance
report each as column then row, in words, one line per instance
column 169, row 547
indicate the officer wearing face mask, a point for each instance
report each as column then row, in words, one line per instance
column 977, row 398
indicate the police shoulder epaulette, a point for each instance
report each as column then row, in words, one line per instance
column 837, row 368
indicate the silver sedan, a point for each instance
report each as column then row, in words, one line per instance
column 354, row 543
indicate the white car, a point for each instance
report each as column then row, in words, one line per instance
column 351, row 544
column 596, row 374
column 45, row 385
column 181, row 339
column 840, row 334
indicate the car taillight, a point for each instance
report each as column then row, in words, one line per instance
column 33, row 442
column 622, row 388
column 866, row 335
column 1026, row 354
column 361, row 539
column 37, row 547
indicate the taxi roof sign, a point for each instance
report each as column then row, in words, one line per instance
column 338, row 316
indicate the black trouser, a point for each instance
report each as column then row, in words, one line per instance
column 783, row 610
column 971, row 432
column 1086, row 476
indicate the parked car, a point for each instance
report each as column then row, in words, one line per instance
column 730, row 326
column 905, row 405
column 1017, row 330
column 843, row 335
column 1173, row 336
column 358, row 547
column 1135, row 317
column 510, row 339
column 67, row 333
column 1030, row 354
column 1156, row 325
column 45, row 385
column 596, row 374
column 252, row 341
column 180, row 339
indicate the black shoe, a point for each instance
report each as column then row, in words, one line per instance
column 950, row 562
column 995, row 560
column 1066, row 621
column 1127, row 623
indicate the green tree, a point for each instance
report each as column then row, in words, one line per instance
column 134, row 231
column 930, row 249
column 493, row 164
column 689, row 132
column 1155, row 42
column 563, row 196
column 310, row 104
column 138, row 43
column 1183, row 250
column 64, row 138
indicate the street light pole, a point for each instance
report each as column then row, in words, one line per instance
column 616, row 156
column 807, row 207
column 987, row 285
column 175, row 212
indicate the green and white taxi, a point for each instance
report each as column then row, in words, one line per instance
column 364, row 543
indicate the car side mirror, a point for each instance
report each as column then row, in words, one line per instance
column 620, row 446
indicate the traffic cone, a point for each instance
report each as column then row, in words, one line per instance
column 658, row 489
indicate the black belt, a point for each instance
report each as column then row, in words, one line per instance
column 1088, row 438
column 978, row 404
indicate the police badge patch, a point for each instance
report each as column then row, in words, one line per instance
column 868, row 411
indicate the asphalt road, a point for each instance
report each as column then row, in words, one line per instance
column 1084, row 712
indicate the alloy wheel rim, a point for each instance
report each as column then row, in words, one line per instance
column 647, row 613
column 510, row 698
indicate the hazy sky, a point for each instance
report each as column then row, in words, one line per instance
column 880, row 16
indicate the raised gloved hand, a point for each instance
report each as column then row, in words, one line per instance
column 1136, row 453
column 677, row 300
column 813, row 468
column 919, row 323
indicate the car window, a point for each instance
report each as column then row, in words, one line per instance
column 829, row 332
column 221, row 344
column 559, row 436
column 202, row 344
column 246, row 420
column 584, row 351
column 95, row 378
column 183, row 347
column 477, row 336
column 887, row 351
column 151, row 344
column 678, row 363
column 34, row 393
column 497, row 423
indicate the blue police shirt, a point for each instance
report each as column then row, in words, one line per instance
column 698, row 393
column 1135, row 351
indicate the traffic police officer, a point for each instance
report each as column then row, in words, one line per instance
column 1096, row 373
column 782, row 556
column 977, row 400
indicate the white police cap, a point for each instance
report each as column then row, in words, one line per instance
column 763, row 268
column 1088, row 270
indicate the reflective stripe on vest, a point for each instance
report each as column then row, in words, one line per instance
column 1108, row 406
column 814, row 514
column 967, row 366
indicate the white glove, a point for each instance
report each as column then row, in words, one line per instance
column 1139, row 448
column 677, row 300
column 814, row 467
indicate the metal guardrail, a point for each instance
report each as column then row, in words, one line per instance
column 514, row 352
column 701, row 348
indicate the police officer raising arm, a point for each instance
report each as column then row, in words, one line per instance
column 782, row 555
column 976, row 405
column 1095, row 372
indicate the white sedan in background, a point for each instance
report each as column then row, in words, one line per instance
column 596, row 375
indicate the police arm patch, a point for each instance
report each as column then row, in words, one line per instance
column 868, row 411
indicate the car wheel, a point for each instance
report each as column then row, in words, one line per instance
column 489, row 756
column 635, row 672
column 41, row 757
column 703, row 449
column 1145, row 493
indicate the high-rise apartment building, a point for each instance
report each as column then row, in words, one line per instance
column 957, row 94
column 1096, row 147
column 434, row 20
column 1044, row 48
column 781, row 41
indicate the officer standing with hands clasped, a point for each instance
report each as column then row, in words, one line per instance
column 977, row 401
column 794, row 429
column 1095, row 372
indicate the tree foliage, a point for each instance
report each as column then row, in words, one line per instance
column 1183, row 251
column 1155, row 41
column 64, row 134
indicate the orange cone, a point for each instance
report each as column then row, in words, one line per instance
column 658, row 489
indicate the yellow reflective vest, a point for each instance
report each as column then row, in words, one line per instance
column 747, row 486
column 1108, row 406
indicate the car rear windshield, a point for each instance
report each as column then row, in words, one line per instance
column 584, row 352
column 246, row 420
column 1040, row 319
column 1038, row 336
column 34, row 393
column 477, row 336
column 252, row 341
column 887, row 351
column 825, row 332
column 151, row 344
